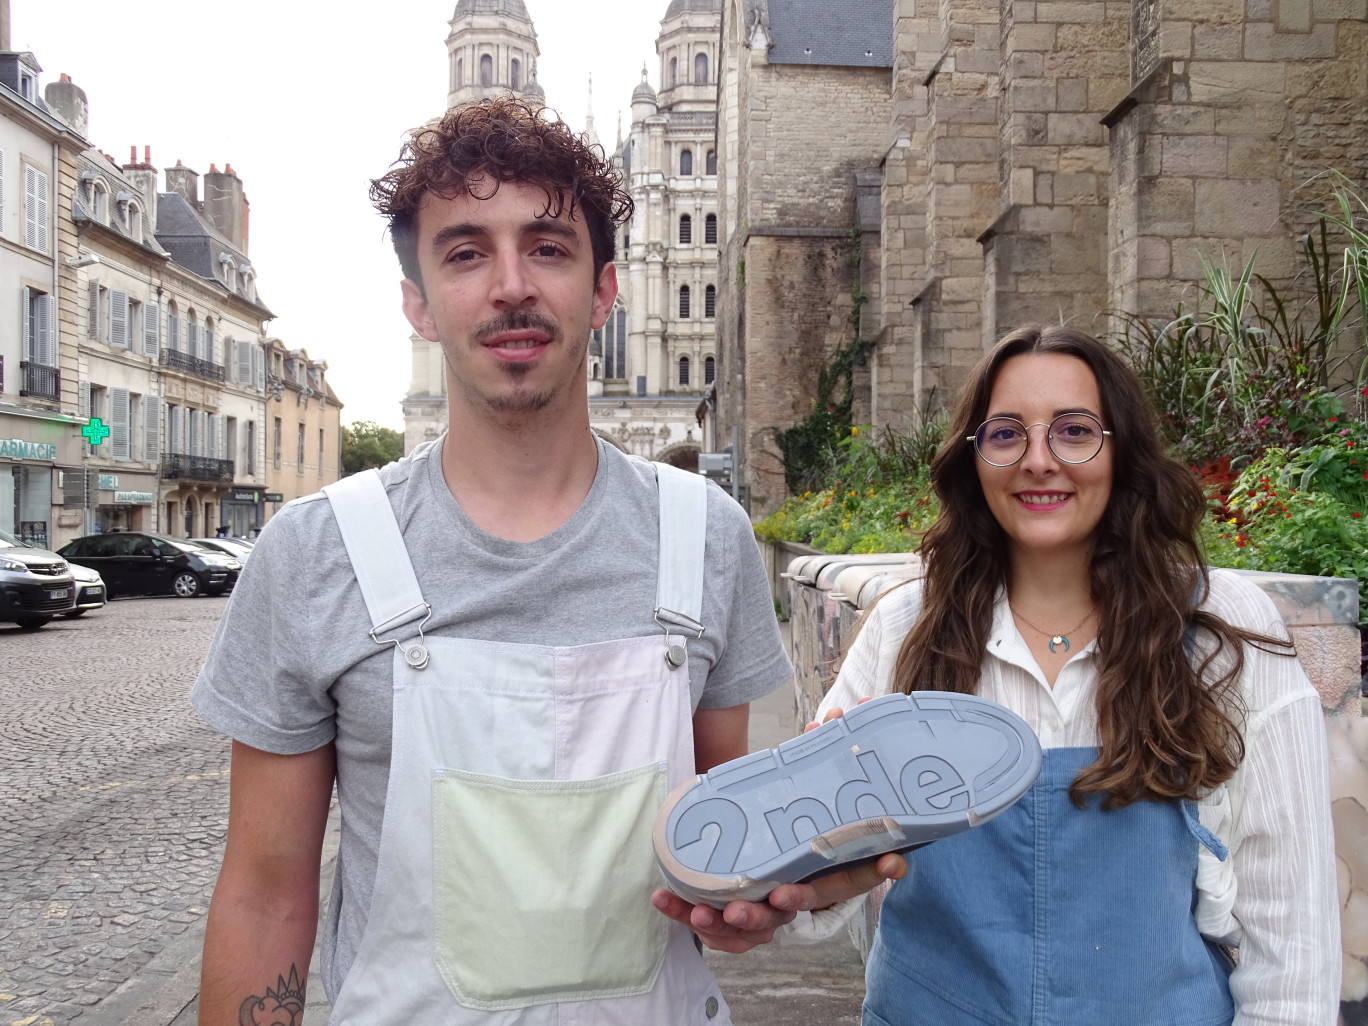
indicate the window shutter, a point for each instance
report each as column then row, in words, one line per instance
column 44, row 351
column 25, row 306
column 259, row 368
column 192, row 337
column 151, row 428
column 173, row 340
column 118, row 319
column 193, row 434
column 183, row 429
column 244, row 363
column 172, row 429
column 151, row 329
column 208, row 353
column 93, row 328
column 35, row 209
column 118, row 423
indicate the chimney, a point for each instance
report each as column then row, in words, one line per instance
column 184, row 183
column 143, row 176
column 223, row 204
column 68, row 102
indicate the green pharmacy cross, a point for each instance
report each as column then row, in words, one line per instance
column 95, row 431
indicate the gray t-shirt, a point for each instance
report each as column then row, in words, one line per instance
column 292, row 668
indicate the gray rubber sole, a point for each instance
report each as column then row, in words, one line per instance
column 890, row 775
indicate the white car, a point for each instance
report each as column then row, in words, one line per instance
column 90, row 590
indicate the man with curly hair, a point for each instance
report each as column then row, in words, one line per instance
column 505, row 649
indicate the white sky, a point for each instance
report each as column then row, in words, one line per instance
column 308, row 104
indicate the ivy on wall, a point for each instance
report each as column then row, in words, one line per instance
column 806, row 446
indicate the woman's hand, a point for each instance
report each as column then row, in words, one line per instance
column 831, row 714
column 744, row 924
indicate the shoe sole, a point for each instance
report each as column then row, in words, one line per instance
column 889, row 775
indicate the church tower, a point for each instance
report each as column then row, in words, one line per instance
column 492, row 49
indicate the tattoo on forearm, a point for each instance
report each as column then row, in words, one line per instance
column 283, row 1006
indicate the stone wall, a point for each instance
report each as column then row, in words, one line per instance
column 793, row 144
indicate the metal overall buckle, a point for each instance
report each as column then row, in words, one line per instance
column 416, row 655
column 676, row 655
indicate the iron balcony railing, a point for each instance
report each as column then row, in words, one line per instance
column 177, row 360
column 40, row 381
column 196, row 468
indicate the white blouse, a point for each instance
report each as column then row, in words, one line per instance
column 1275, row 896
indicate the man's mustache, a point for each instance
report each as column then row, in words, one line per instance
column 515, row 320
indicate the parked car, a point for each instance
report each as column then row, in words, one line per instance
column 134, row 563
column 90, row 590
column 35, row 584
column 234, row 547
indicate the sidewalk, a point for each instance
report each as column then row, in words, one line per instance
column 814, row 985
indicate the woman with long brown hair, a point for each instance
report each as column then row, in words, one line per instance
column 1174, row 861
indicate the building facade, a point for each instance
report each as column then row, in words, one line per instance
column 304, row 424
column 491, row 49
column 38, row 439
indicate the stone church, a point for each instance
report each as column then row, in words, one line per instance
column 965, row 166
column 652, row 366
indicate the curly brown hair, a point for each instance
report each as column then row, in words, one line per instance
column 484, row 143
column 1166, row 729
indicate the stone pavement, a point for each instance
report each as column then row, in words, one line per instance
column 114, row 803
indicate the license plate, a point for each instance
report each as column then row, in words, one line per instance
column 61, row 593
column 94, row 591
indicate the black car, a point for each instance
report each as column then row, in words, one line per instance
column 133, row 563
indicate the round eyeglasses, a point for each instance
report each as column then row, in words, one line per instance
column 1072, row 437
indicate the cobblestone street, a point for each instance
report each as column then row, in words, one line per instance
column 113, row 809
column 114, row 802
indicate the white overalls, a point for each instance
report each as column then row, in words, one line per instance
column 515, row 865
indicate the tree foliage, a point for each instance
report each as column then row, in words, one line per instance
column 366, row 444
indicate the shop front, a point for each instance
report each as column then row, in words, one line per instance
column 30, row 450
column 243, row 510
column 126, row 502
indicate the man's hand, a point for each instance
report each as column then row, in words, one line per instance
column 744, row 924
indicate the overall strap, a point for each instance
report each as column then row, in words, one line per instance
column 683, row 522
column 376, row 548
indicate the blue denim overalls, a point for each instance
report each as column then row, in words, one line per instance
column 1052, row 915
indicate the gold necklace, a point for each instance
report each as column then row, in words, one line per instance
column 1062, row 638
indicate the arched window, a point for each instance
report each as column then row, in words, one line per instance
column 709, row 370
column 486, row 70
column 99, row 202
column 710, row 229
column 460, row 73
column 207, row 341
column 683, row 370
column 683, row 301
column 515, row 73
column 173, row 327
column 192, row 334
column 134, row 214
column 685, row 230
column 710, row 301
column 685, row 163
column 710, row 167
column 674, row 72
column 701, row 69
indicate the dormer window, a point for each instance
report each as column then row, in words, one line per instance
column 99, row 201
column 28, row 86
column 133, row 218
column 230, row 271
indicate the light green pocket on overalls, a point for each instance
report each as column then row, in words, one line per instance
column 542, row 888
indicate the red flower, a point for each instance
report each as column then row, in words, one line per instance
column 1333, row 419
column 1357, row 515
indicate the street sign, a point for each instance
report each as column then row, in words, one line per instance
column 275, row 496
column 95, row 431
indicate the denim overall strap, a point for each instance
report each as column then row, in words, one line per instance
column 1051, row 915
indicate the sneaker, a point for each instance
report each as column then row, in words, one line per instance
column 890, row 775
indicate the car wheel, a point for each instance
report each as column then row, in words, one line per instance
column 74, row 613
column 186, row 585
column 31, row 623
